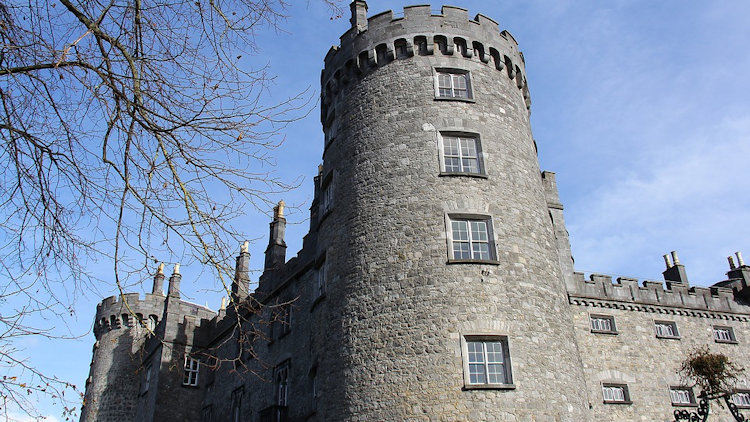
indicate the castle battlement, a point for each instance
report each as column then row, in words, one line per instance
column 381, row 39
column 112, row 313
column 653, row 296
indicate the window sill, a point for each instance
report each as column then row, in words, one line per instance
column 613, row 333
column 726, row 341
column 477, row 175
column 489, row 387
column 463, row 100
column 685, row 404
column 473, row 261
column 668, row 337
column 617, row 402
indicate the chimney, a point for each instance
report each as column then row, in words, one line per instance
column 174, row 282
column 276, row 250
column 359, row 15
column 675, row 272
column 158, row 288
column 241, row 283
column 740, row 277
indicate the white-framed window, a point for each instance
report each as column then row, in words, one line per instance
column 682, row 396
column 461, row 154
column 603, row 324
column 281, row 381
column 453, row 83
column 741, row 398
column 724, row 334
column 666, row 329
column 470, row 238
column 486, row 362
column 192, row 367
column 615, row 393
column 237, row 404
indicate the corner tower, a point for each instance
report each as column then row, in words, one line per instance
column 445, row 293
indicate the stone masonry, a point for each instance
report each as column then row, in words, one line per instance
column 436, row 282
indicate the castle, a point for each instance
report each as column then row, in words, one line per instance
column 436, row 281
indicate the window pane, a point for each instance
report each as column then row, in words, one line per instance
column 460, row 230
column 469, row 165
column 496, row 373
column 452, row 164
column 479, row 230
column 480, row 251
column 461, row 250
column 450, row 145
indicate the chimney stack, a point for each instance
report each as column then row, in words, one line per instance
column 675, row 272
column 359, row 15
column 174, row 282
column 276, row 250
column 158, row 288
column 241, row 283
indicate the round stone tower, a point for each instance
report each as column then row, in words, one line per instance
column 445, row 293
column 114, row 382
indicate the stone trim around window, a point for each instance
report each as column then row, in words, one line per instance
column 453, row 84
column 666, row 330
column 486, row 362
column 615, row 393
column 682, row 396
column 461, row 154
column 470, row 239
column 602, row 324
column 724, row 334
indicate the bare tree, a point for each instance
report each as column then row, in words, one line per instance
column 122, row 123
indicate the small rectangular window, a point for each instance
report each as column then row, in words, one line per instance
column 741, row 399
column 281, row 381
column 682, row 396
column 192, row 366
column 453, row 84
column 326, row 197
column 666, row 329
column 615, row 393
column 487, row 362
column 471, row 239
column 461, row 154
column 320, row 281
column 724, row 335
column 604, row 324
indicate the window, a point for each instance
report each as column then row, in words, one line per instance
column 281, row 380
column 454, row 84
column 742, row 399
column 666, row 329
column 461, row 154
column 616, row 393
column 471, row 239
column 190, row 378
column 320, row 281
column 237, row 404
column 682, row 396
column 146, row 379
column 603, row 324
column 487, row 362
column 724, row 335
column 207, row 414
column 326, row 197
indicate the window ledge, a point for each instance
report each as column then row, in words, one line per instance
column 669, row 337
column 726, row 341
column 614, row 333
column 489, row 387
column 473, row 261
column 617, row 402
column 455, row 173
column 463, row 100
column 685, row 404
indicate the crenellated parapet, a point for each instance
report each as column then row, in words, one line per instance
column 123, row 312
column 375, row 42
column 655, row 296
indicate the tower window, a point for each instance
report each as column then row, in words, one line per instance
column 741, row 399
column 461, row 154
column 603, row 324
column 666, row 329
column 470, row 238
column 616, row 394
column 724, row 335
column 487, row 362
column 192, row 366
column 682, row 396
column 453, row 84
column 281, row 380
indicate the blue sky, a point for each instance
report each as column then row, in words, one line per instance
column 640, row 107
